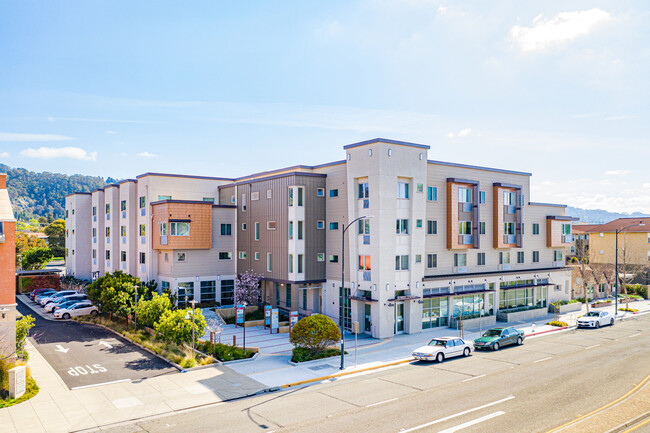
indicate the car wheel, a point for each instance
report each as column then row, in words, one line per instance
column 597, row 324
column 495, row 346
column 466, row 351
column 440, row 357
column 519, row 341
column 66, row 316
column 92, row 313
column 611, row 322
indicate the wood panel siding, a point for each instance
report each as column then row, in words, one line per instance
column 200, row 218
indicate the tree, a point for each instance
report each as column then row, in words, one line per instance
column 36, row 258
column 315, row 333
column 56, row 237
column 25, row 242
column 247, row 288
column 150, row 311
column 582, row 255
column 627, row 259
column 174, row 327
column 22, row 330
column 604, row 272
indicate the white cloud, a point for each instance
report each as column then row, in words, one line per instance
column 4, row 154
column 646, row 185
column 465, row 132
column 15, row 136
column 616, row 172
column 111, row 132
column 147, row 155
column 563, row 27
column 60, row 152
column 450, row 135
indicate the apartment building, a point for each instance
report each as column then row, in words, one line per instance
column 579, row 246
column 633, row 242
column 7, row 272
column 430, row 242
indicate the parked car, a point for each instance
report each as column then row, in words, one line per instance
column 498, row 337
column 53, row 306
column 82, row 308
column 443, row 347
column 595, row 319
column 45, row 300
column 39, row 291
column 45, row 294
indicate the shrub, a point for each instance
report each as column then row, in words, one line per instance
column 36, row 258
column 558, row 323
column 631, row 310
column 580, row 300
column 223, row 352
column 174, row 327
column 31, row 389
column 315, row 333
column 300, row 354
column 149, row 312
column 642, row 291
column 22, row 330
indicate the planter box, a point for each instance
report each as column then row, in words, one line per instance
column 521, row 316
column 566, row 308
column 601, row 305
column 476, row 323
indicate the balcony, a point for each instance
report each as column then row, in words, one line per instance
column 460, row 269
column 465, row 240
column 567, row 239
column 504, row 267
column 510, row 209
column 464, row 207
column 366, row 276
column 163, row 240
column 509, row 239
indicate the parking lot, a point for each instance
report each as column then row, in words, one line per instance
column 87, row 355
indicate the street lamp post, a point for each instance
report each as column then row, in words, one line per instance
column 244, row 304
column 135, row 312
column 640, row 223
column 343, row 286
column 193, row 302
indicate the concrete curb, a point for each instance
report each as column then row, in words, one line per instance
column 550, row 330
column 239, row 361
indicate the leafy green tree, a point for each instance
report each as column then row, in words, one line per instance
column 56, row 237
column 174, row 327
column 150, row 311
column 22, row 330
column 25, row 242
column 315, row 333
column 36, row 258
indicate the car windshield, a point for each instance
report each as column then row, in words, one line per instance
column 67, row 304
column 437, row 342
column 591, row 314
column 492, row 333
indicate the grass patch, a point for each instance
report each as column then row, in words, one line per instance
column 156, row 343
column 31, row 389
column 517, row 309
column 572, row 301
column 300, row 354
column 223, row 352
column 255, row 315
column 558, row 323
column 631, row 310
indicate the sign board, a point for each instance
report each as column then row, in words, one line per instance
column 17, row 381
column 240, row 315
column 275, row 320
column 267, row 315
column 293, row 318
column 356, row 327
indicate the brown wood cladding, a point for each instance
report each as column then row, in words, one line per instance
column 554, row 233
column 200, row 215
column 453, row 215
column 498, row 217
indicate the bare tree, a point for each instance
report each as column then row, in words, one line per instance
column 627, row 266
column 604, row 272
column 582, row 256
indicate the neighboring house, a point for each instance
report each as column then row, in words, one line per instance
column 435, row 240
column 7, row 273
column 633, row 242
column 589, row 281
column 580, row 241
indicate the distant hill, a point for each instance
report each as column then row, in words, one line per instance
column 40, row 194
column 599, row 216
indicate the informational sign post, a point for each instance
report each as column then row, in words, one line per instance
column 17, row 381
column 267, row 316
column 293, row 319
column 275, row 320
column 240, row 315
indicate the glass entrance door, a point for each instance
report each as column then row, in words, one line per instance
column 399, row 318
column 367, row 324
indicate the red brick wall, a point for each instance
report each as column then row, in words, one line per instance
column 39, row 282
column 8, row 265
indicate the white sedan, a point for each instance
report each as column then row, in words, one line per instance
column 55, row 296
column 82, row 308
column 444, row 347
column 595, row 319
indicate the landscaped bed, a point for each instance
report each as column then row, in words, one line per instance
column 31, row 389
column 301, row 354
column 224, row 352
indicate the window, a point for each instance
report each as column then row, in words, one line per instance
column 300, row 196
column 420, row 187
column 320, row 192
column 364, row 263
column 290, row 196
column 432, row 227
column 225, row 255
column 180, row 257
column 164, row 197
column 480, row 259
column 464, row 227
column 143, row 202
column 288, row 295
column 363, row 190
column 227, row 292
column 320, row 225
column 418, row 258
column 509, row 228
column 123, row 205
column 269, row 262
column 432, row 193
column 94, row 210
column 208, row 291
column 402, row 190
column 94, row 254
column 464, row 195
column 163, row 229
column 257, row 255
column 185, row 292
column 108, row 231
column 535, row 256
column 108, row 209
column 535, row 228
column 122, row 231
column 108, row 254
column 402, row 263
column 290, row 263
column 481, row 197
column 255, row 196
column 481, row 228
column 364, row 226
column 333, row 258
column 504, row 258
column 402, row 227
column 334, row 226
column 232, row 199
column 460, row 259
column 290, row 230
column 557, row 255
column 242, row 254
column 257, row 231
column 300, row 230
column 94, row 232
column 226, row 230
column 142, row 258
column 243, row 226
column 301, row 259
column 208, row 199
column 320, row 257
column 520, row 256
column 179, row 229
column 432, row 261
column 166, row 257
column 142, row 230
column 418, row 224
column 508, row 198
column 243, row 202
column 334, row 193
column 516, row 298
column 566, row 229
column 270, row 225
column 123, row 256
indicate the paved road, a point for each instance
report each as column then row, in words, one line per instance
column 533, row 388
column 86, row 355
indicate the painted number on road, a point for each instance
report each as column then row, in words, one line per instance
column 86, row 369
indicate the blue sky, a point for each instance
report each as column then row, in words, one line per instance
column 118, row 88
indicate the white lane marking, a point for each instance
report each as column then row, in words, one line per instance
column 60, row 348
column 457, row 415
column 100, row 384
column 472, row 378
column 635, row 335
column 591, row 347
column 382, row 402
column 543, row 359
column 105, row 344
column 473, row 422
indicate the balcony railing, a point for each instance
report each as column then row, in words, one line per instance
column 366, row 203
column 465, row 239
column 366, row 276
column 567, row 239
column 460, row 269
column 509, row 239
column 510, row 209
column 464, row 207
column 366, row 239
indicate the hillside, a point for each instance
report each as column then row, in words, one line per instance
column 598, row 216
column 40, row 194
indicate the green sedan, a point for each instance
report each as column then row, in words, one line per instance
column 498, row 337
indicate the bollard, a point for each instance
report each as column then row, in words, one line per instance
column 234, row 340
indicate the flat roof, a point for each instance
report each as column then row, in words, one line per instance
column 187, row 176
column 385, row 140
column 277, row 176
column 546, row 204
column 478, row 167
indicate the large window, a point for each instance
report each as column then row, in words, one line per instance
column 288, row 296
column 227, row 292
column 464, row 227
column 226, row 229
column 504, row 257
column 535, row 228
column 509, row 228
column 557, row 255
column 460, row 259
column 402, row 263
column 432, row 227
column 363, row 190
column 434, row 312
column 179, row 229
column 480, row 259
column 566, row 229
column 208, row 291
column 520, row 256
column 464, row 195
column 402, row 190
column 468, row 306
column 516, row 298
column 301, row 263
column 185, row 292
column 432, row 193
column 364, row 227
column 432, row 261
column 300, row 230
column 508, row 198
column 364, row 263
column 402, row 227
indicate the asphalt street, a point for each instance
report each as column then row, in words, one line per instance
column 536, row 387
column 87, row 355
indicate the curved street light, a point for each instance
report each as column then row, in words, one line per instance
column 639, row 224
